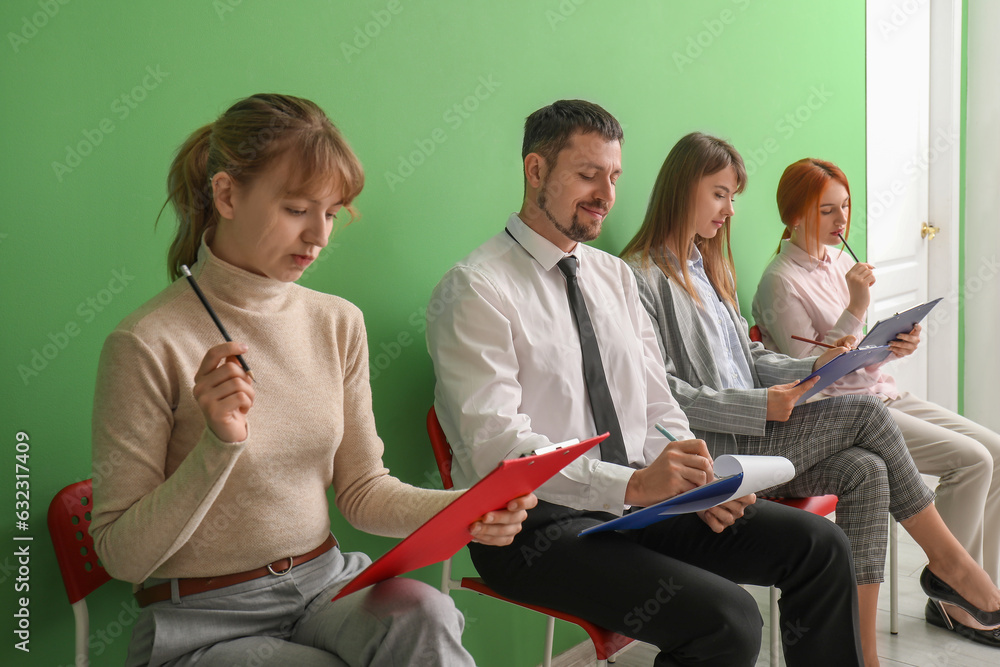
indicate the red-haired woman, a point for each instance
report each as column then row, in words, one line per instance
column 216, row 506
column 808, row 290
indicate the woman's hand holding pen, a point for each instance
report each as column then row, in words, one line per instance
column 906, row 343
column 860, row 278
column 224, row 392
column 499, row 528
column 681, row 466
column 840, row 346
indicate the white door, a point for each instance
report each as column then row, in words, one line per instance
column 906, row 164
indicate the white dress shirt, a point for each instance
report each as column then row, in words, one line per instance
column 509, row 368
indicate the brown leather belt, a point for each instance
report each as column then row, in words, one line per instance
column 190, row 586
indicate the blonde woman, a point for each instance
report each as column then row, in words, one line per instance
column 216, row 506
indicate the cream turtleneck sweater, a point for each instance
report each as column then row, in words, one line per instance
column 175, row 500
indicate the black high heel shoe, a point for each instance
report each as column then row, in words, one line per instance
column 939, row 592
column 935, row 616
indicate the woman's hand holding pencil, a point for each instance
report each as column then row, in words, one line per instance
column 860, row 279
column 224, row 392
column 840, row 346
column 223, row 385
column 814, row 342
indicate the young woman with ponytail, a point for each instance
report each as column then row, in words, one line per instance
column 740, row 397
column 216, row 503
column 811, row 290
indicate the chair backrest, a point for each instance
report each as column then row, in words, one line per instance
column 69, row 523
column 442, row 450
column 755, row 334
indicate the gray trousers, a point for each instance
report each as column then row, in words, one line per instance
column 850, row 446
column 290, row 620
column 966, row 456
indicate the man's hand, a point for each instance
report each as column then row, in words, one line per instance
column 722, row 516
column 682, row 466
column 781, row 399
column 906, row 343
column 498, row 528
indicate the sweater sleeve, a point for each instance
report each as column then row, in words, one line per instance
column 366, row 494
column 140, row 516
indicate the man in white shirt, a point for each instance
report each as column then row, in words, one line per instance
column 507, row 353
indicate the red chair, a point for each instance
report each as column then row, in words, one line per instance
column 82, row 572
column 606, row 643
column 756, row 337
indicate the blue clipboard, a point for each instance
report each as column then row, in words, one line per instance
column 708, row 495
column 840, row 366
column 872, row 349
column 885, row 331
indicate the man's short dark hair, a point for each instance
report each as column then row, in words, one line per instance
column 547, row 131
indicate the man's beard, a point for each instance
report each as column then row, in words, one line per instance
column 575, row 231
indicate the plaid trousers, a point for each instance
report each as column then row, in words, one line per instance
column 850, row 446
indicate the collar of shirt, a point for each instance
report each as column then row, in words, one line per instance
column 695, row 258
column 802, row 258
column 543, row 251
column 696, row 263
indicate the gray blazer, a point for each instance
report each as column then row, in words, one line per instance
column 716, row 416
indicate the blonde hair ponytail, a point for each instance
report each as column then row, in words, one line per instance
column 190, row 192
column 244, row 142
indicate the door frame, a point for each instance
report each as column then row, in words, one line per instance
column 944, row 198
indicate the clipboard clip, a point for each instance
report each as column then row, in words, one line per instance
column 550, row 448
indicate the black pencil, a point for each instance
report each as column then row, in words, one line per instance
column 848, row 247
column 215, row 318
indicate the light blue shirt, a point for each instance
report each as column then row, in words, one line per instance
column 722, row 336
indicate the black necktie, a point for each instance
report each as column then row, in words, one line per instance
column 605, row 419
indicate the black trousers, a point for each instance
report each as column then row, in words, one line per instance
column 674, row 584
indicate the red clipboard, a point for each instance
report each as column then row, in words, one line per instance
column 448, row 531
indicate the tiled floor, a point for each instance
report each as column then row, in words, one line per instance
column 918, row 644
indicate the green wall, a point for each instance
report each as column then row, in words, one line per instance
column 109, row 90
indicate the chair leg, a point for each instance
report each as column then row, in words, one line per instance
column 550, row 631
column 775, row 628
column 893, row 579
column 82, row 634
column 446, row 576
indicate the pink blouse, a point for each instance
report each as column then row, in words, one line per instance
column 801, row 295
